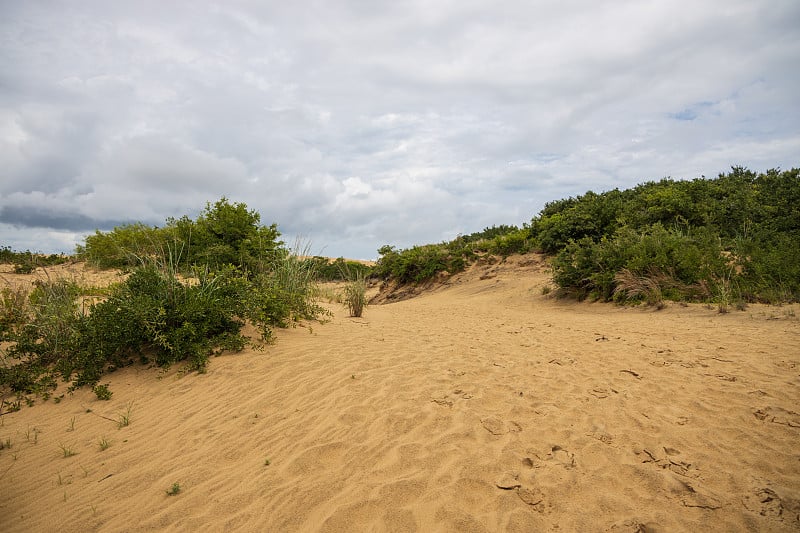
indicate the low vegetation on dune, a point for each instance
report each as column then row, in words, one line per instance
column 193, row 283
column 729, row 240
column 27, row 261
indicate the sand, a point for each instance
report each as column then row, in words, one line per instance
column 482, row 405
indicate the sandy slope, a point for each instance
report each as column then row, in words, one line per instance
column 481, row 406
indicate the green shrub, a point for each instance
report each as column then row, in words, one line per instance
column 515, row 242
column 192, row 286
column 679, row 265
column 419, row 263
column 151, row 316
column 338, row 269
column 733, row 238
column 223, row 234
column 102, row 392
column 14, row 310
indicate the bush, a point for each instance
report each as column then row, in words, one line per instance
column 14, row 311
column 152, row 316
column 225, row 233
column 419, row 263
column 677, row 265
column 192, row 286
column 732, row 238
column 515, row 242
column 339, row 269
column 286, row 292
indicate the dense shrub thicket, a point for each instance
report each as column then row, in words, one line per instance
column 735, row 237
column 732, row 238
column 190, row 289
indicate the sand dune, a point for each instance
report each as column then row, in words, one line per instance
column 479, row 406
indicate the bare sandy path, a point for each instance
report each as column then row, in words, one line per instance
column 482, row 406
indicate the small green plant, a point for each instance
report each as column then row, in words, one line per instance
column 125, row 418
column 174, row 489
column 67, row 451
column 32, row 435
column 5, row 444
column 102, row 392
column 266, row 462
column 103, row 444
column 71, row 424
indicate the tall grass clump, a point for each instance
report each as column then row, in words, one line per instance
column 286, row 290
column 354, row 294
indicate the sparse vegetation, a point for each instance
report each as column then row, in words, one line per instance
column 124, row 418
column 67, row 451
column 174, row 490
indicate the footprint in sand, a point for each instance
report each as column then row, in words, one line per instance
column 557, row 455
column 533, row 497
column 667, row 459
column 633, row 526
column 768, row 503
column 602, row 392
column 564, row 457
column 496, row 426
column 529, row 495
column 777, row 415
column 700, row 500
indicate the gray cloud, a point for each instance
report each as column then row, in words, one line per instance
column 365, row 123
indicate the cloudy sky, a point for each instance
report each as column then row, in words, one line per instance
column 358, row 123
